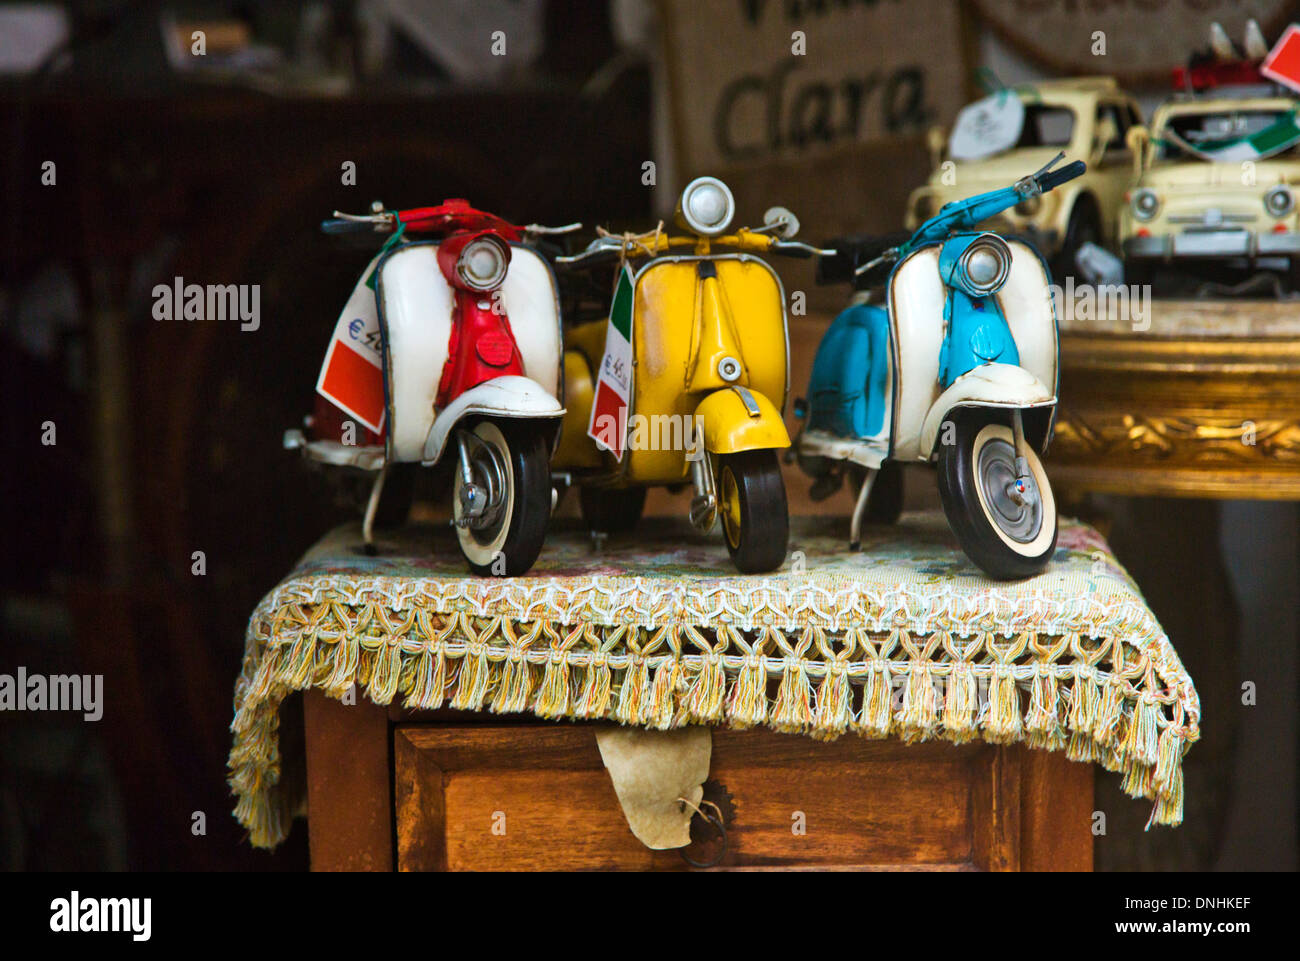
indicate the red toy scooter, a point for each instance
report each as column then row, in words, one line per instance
column 450, row 343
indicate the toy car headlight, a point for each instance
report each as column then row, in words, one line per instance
column 1145, row 203
column 1279, row 201
column 482, row 264
column 983, row 266
column 706, row 206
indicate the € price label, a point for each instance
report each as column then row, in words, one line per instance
column 352, row 376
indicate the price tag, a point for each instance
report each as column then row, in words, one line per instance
column 352, row 376
column 987, row 127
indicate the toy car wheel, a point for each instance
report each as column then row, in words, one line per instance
column 751, row 500
column 509, row 464
column 1008, row 533
column 611, row 510
column 885, row 502
column 1083, row 227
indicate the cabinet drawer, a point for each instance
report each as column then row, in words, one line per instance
column 523, row 797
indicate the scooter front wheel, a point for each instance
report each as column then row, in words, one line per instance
column 751, row 500
column 1010, row 534
column 501, row 524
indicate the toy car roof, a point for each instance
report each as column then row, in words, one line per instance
column 1228, row 98
column 1078, row 83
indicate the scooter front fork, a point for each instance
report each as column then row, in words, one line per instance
column 1022, row 490
column 704, row 505
column 473, row 498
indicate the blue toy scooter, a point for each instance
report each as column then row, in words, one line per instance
column 958, row 367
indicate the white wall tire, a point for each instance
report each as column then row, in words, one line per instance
column 1007, row 540
column 516, row 459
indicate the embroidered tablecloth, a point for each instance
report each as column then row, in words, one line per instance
column 904, row 639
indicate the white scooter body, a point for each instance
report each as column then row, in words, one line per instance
column 412, row 305
column 916, row 299
column 916, row 403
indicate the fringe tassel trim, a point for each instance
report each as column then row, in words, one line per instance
column 1096, row 704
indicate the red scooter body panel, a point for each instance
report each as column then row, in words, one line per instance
column 482, row 347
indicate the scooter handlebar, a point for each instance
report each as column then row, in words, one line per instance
column 797, row 248
column 1054, row 178
column 336, row 225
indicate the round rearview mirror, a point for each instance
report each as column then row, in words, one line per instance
column 1137, row 139
column 935, row 140
column 1107, row 133
column 785, row 222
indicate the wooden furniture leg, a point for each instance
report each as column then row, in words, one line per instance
column 1056, row 806
column 349, row 786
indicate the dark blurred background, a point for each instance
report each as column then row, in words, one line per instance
column 218, row 168
column 168, row 433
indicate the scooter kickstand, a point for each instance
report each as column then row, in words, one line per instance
column 860, row 510
column 372, row 506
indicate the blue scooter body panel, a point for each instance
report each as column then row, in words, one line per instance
column 850, row 374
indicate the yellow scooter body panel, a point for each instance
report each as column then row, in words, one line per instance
column 689, row 314
column 575, row 448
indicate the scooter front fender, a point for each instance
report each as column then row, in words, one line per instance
column 989, row 385
column 737, row 418
column 511, row 396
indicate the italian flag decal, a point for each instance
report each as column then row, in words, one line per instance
column 608, row 427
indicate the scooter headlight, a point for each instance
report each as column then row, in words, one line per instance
column 706, row 206
column 482, row 264
column 983, row 267
column 1279, row 201
column 1145, row 203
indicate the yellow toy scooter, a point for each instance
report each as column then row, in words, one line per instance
column 683, row 378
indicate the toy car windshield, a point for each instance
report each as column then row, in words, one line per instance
column 1230, row 136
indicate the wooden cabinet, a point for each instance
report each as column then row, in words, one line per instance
column 387, row 791
column 1204, row 402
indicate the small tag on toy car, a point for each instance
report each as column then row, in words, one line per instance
column 352, row 376
column 987, row 127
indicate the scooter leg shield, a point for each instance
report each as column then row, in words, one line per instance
column 850, row 376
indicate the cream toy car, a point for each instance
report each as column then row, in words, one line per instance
column 997, row 139
column 1216, row 182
